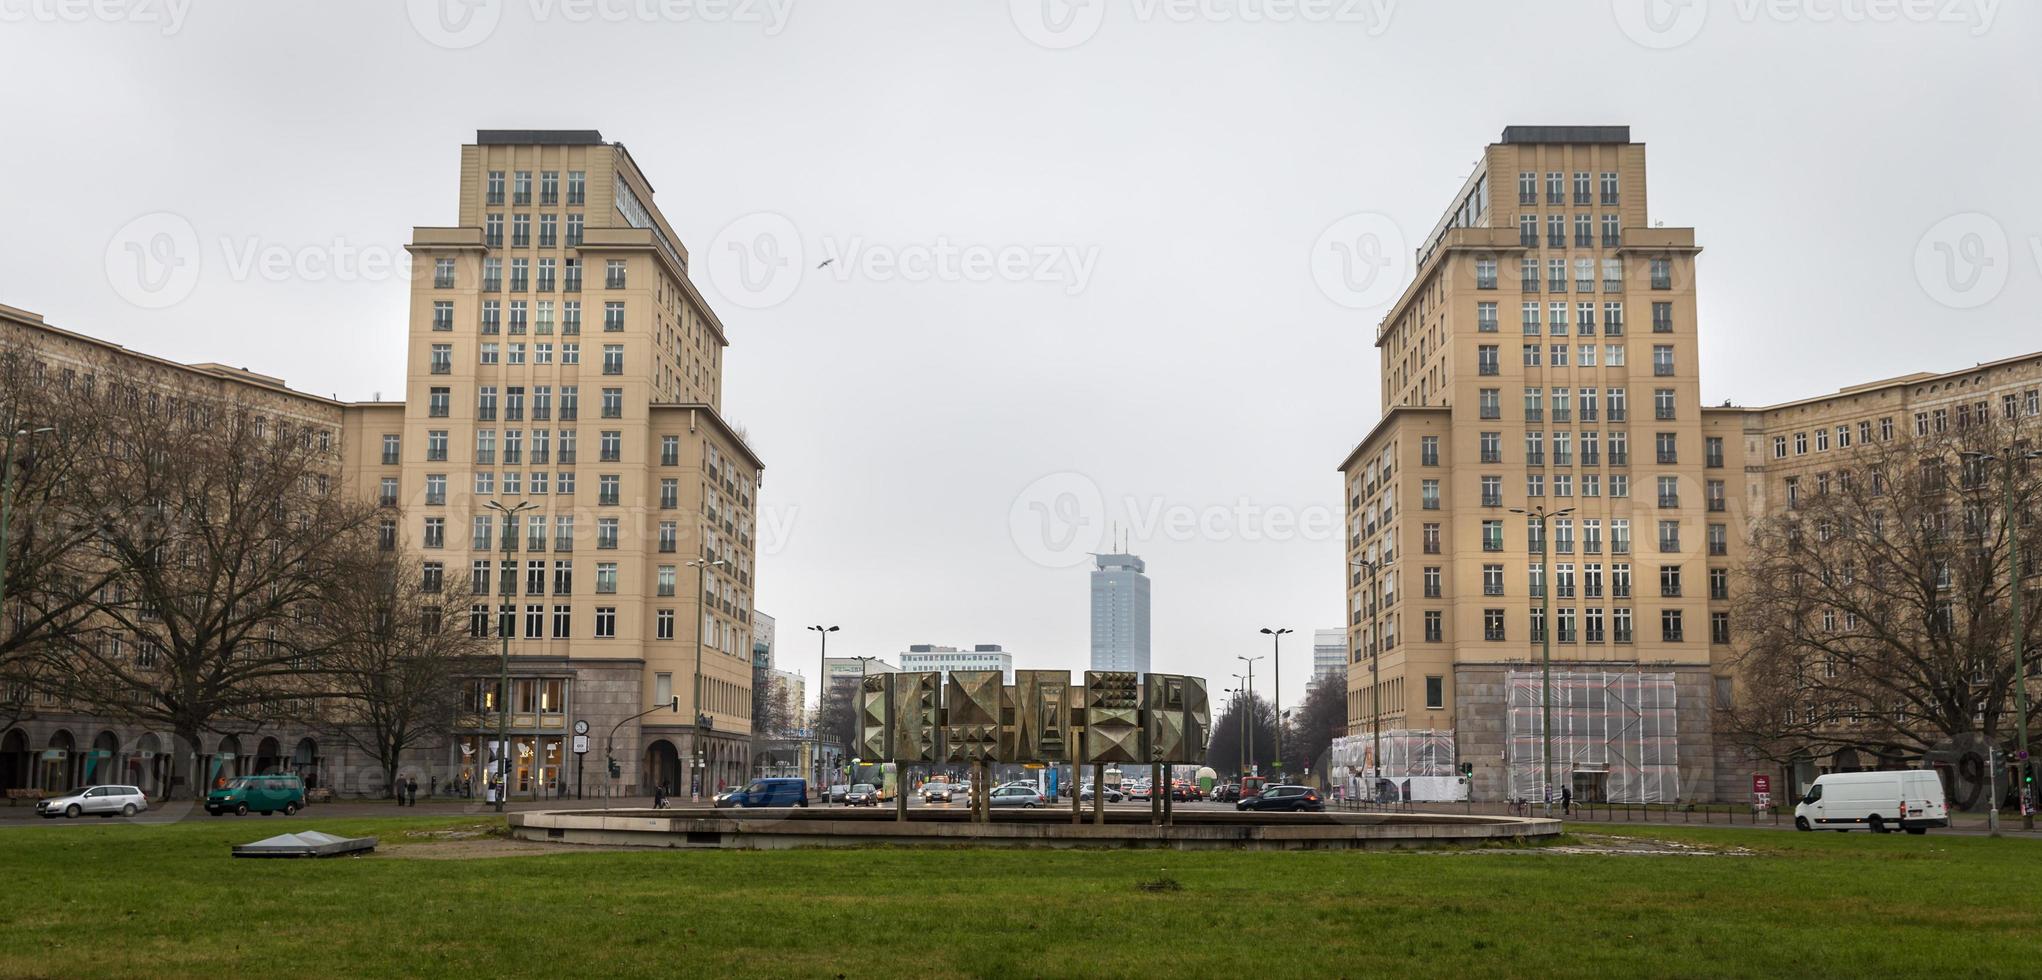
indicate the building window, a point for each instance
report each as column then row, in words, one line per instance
column 1662, row 273
column 1435, row 693
column 606, row 622
column 664, row 624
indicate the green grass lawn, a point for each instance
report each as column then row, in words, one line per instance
column 105, row 899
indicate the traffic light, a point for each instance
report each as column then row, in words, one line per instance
column 615, row 769
column 1467, row 770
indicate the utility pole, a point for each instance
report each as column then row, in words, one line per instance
column 1375, row 687
column 508, row 577
column 1247, row 726
column 1276, row 667
column 1546, row 637
column 2025, row 764
column 697, row 775
column 822, row 687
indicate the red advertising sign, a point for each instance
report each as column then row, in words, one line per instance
column 1761, row 783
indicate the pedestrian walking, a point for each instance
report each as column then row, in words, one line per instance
column 1566, row 800
column 411, row 791
column 659, row 796
column 432, row 786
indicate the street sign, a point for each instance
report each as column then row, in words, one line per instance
column 1761, row 790
column 581, row 745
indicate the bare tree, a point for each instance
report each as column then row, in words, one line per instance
column 1877, row 602
column 1223, row 751
column 393, row 668
column 222, row 528
column 46, row 434
column 1313, row 725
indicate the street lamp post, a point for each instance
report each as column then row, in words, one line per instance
column 2010, row 516
column 697, row 776
column 1276, row 668
column 822, row 685
column 1248, row 729
column 1375, row 691
column 509, row 578
column 851, row 773
column 1239, row 691
column 1546, row 638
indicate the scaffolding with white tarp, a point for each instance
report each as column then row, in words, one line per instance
column 1616, row 736
column 1417, row 765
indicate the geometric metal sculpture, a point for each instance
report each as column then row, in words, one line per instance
column 1113, row 729
column 875, row 711
column 912, row 733
column 1041, row 727
column 1197, row 720
column 1163, row 716
column 972, row 707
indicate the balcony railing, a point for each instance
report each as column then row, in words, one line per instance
column 1669, row 500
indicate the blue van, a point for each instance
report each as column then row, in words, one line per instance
column 768, row 792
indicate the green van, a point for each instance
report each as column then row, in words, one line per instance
column 263, row 794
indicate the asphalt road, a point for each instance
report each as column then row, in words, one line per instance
column 24, row 816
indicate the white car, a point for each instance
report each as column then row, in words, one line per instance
column 99, row 801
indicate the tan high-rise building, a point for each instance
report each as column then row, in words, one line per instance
column 560, row 359
column 1544, row 359
column 559, row 362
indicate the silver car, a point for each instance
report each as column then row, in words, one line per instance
column 1017, row 795
column 99, row 801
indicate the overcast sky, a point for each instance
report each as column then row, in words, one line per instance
column 1084, row 253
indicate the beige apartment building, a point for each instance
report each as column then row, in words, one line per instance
column 1543, row 359
column 559, row 363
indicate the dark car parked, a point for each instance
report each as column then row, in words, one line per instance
column 1284, row 799
column 767, row 792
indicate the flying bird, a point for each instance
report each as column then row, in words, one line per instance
column 826, row 262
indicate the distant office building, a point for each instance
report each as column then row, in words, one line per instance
column 844, row 670
column 791, row 686
column 1329, row 655
column 985, row 656
column 762, row 641
column 1120, row 614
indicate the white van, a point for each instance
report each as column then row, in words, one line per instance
column 1910, row 799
